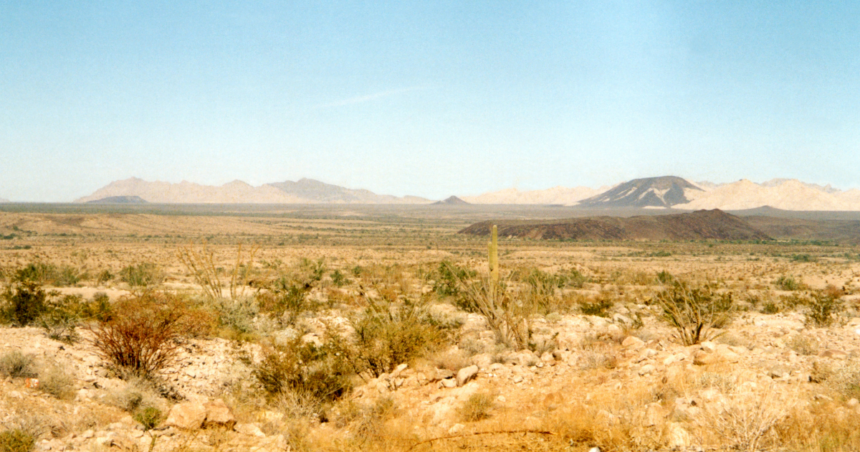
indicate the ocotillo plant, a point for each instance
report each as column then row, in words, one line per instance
column 494, row 257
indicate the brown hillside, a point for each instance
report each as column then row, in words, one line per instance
column 703, row 224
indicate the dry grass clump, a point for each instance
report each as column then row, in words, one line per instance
column 15, row 364
column 746, row 418
column 477, row 407
column 56, row 382
column 803, row 345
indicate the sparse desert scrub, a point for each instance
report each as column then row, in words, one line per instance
column 746, row 417
column 54, row 380
column 477, row 407
column 823, row 308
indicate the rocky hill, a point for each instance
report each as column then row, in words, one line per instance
column 700, row 225
column 664, row 191
column 451, row 201
column 305, row 191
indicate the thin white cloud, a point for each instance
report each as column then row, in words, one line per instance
column 370, row 97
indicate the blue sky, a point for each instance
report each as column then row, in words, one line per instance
column 425, row 98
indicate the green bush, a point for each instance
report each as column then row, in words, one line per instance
column 388, row 334
column 599, row 307
column 15, row 364
column 23, row 302
column 16, row 440
column 448, row 279
column 787, row 283
column 822, row 308
column 141, row 275
column 149, row 417
column 695, row 312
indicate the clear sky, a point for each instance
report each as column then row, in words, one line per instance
column 428, row 98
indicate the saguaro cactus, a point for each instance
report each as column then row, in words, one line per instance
column 494, row 256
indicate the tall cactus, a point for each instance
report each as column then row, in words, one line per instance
column 494, row 256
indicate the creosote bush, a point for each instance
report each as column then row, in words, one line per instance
column 141, row 333
column 387, row 334
column 695, row 312
column 823, row 307
column 16, row 440
column 316, row 375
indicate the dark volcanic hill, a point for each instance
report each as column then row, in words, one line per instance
column 699, row 225
column 451, row 201
column 118, row 200
column 665, row 191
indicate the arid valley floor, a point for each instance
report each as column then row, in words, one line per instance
column 361, row 328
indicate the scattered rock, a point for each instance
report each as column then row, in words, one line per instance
column 188, row 416
column 465, row 374
column 218, row 414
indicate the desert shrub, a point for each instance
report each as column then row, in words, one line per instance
column 287, row 298
column 599, row 306
column 339, row 279
column 803, row 345
column 148, row 417
column 802, row 258
column 103, row 277
column 23, row 302
column 770, row 307
column 787, row 283
column 66, row 276
column 316, row 375
column 201, row 264
column 141, row 276
column 664, row 277
column 38, row 272
column 56, row 382
column 16, row 440
column 15, row 364
column 508, row 319
column 140, row 335
column 695, row 312
column 447, row 280
column 477, row 407
column 236, row 318
column 823, row 307
column 387, row 334
column 542, row 294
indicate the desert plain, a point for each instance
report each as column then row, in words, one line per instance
column 340, row 328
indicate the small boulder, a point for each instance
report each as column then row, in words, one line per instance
column 218, row 414
column 465, row 374
column 632, row 342
column 187, row 416
column 249, row 429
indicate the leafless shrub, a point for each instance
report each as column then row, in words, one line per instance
column 140, row 336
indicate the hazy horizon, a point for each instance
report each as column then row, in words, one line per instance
column 428, row 100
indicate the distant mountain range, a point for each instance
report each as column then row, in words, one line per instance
column 305, row 191
column 667, row 192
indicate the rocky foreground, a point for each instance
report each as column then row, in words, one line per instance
column 606, row 383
